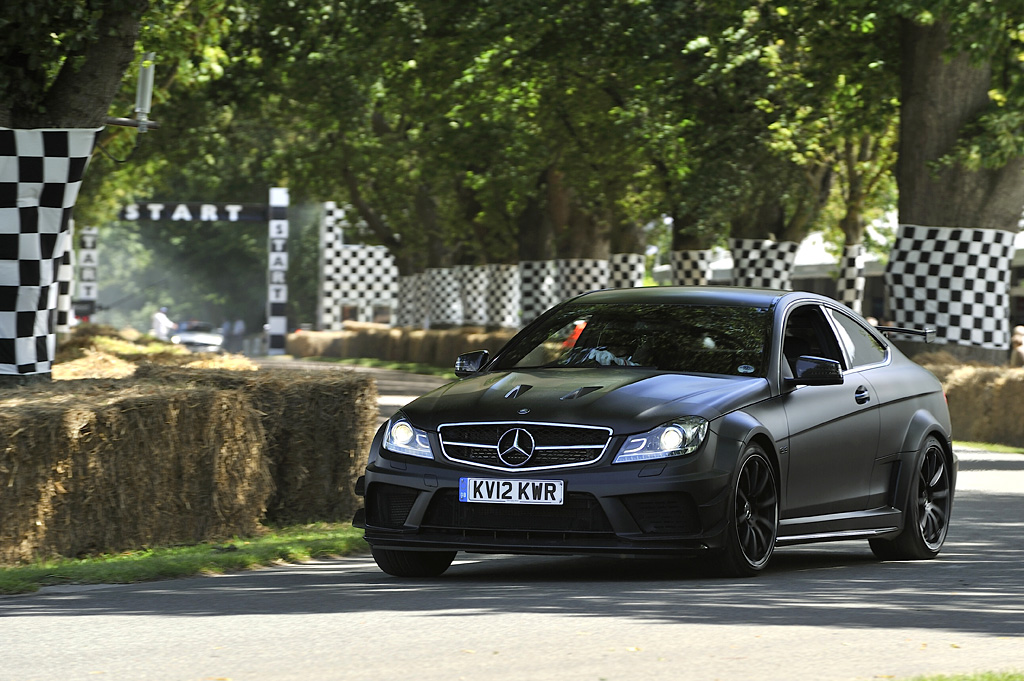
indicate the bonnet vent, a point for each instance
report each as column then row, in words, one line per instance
column 517, row 391
column 580, row 392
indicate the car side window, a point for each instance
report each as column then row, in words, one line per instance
column 861, row 346
column 808, row 333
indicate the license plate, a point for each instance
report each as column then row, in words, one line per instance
column 493, row 491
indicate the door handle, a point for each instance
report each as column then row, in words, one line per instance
column 862, row 395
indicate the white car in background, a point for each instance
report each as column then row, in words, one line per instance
column 199, row 337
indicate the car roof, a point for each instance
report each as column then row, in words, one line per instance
column 694, row 295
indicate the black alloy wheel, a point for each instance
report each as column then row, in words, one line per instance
column 754, row 518
column 929, row 502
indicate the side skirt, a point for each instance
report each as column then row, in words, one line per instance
column 840, row 526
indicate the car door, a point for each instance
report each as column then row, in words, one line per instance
column 869, row 360
column 833, row 429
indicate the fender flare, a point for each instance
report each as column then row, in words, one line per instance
column 742, row 428
column 922, row 424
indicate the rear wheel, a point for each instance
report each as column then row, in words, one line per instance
column 412, row 563
column 926, row 514
column 753, row 518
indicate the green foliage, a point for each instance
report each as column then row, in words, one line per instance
column 449, row 128
column 37, row 39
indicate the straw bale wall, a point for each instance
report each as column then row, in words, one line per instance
column 104, row 471
column 317, row 425
column 986, row 403
column 177, row 456
column 437, row 347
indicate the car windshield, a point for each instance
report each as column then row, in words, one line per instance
column 684, row 338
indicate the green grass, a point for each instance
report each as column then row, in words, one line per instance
column 279, row 545
column 410, row 367
column 988, row 446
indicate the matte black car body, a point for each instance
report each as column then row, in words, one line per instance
column 815, row 428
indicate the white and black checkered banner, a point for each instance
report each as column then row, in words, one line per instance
column 851, row 283
column 954, row 280
column 626, row 270
column 413, row 300
column 691, row 268
column 762, row 263
column 66, row 284
column 576, row 276
column 503, row 295
column 445, row 296
column 473, row 292
column 329, row 305
column 538, row 287
column 41, row 172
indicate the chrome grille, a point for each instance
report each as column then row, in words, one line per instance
column 555, row 445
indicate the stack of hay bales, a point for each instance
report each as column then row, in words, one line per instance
column 105, row 467
column 436, row 347
column 986, row 404
column 317, row 427
column 176, row 454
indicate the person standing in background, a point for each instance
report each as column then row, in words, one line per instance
column 238, row 335
column 1017, row 347
column 162, row 324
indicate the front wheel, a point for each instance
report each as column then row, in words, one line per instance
column 926, row 513
column 753, row 523
column 412, row 563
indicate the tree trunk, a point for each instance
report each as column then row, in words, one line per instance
column 626, row 236
column 536, row 233
column 81, row 94
column 940, row 95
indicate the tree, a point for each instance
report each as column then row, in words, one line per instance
column 63, row 61
column 960, row 166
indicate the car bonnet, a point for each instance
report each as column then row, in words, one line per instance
column 627, row 400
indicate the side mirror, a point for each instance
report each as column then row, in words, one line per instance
column 816, row 371
column 469, row 363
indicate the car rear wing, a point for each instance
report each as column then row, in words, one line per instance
column 929, row 334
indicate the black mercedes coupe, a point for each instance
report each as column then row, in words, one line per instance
column 712, row 422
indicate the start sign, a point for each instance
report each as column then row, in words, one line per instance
column 205, row 212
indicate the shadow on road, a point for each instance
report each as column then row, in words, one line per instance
column 974, row 586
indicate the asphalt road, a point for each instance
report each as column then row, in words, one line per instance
column 818, row 613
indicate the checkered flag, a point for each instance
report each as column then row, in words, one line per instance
column 41, row 172
column 578, row 275
column 503, row 295
column 851, row 283
column 538, row 288
column 761, row 263
column 691, row 268
column 954, row 280
column 626, row 270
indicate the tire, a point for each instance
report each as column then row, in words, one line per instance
column 412, row 563
column 926, row 513
column 753, row 523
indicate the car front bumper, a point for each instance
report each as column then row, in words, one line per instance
column 669, row 506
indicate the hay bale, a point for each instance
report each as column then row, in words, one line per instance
column 89, row 470
column 318, row 427
column 438, row 347
column 986, row 404
column 92, row 364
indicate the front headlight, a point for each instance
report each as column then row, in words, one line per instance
column 403, row 438
column 678, row 437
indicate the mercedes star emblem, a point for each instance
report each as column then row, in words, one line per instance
column 515, row 447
